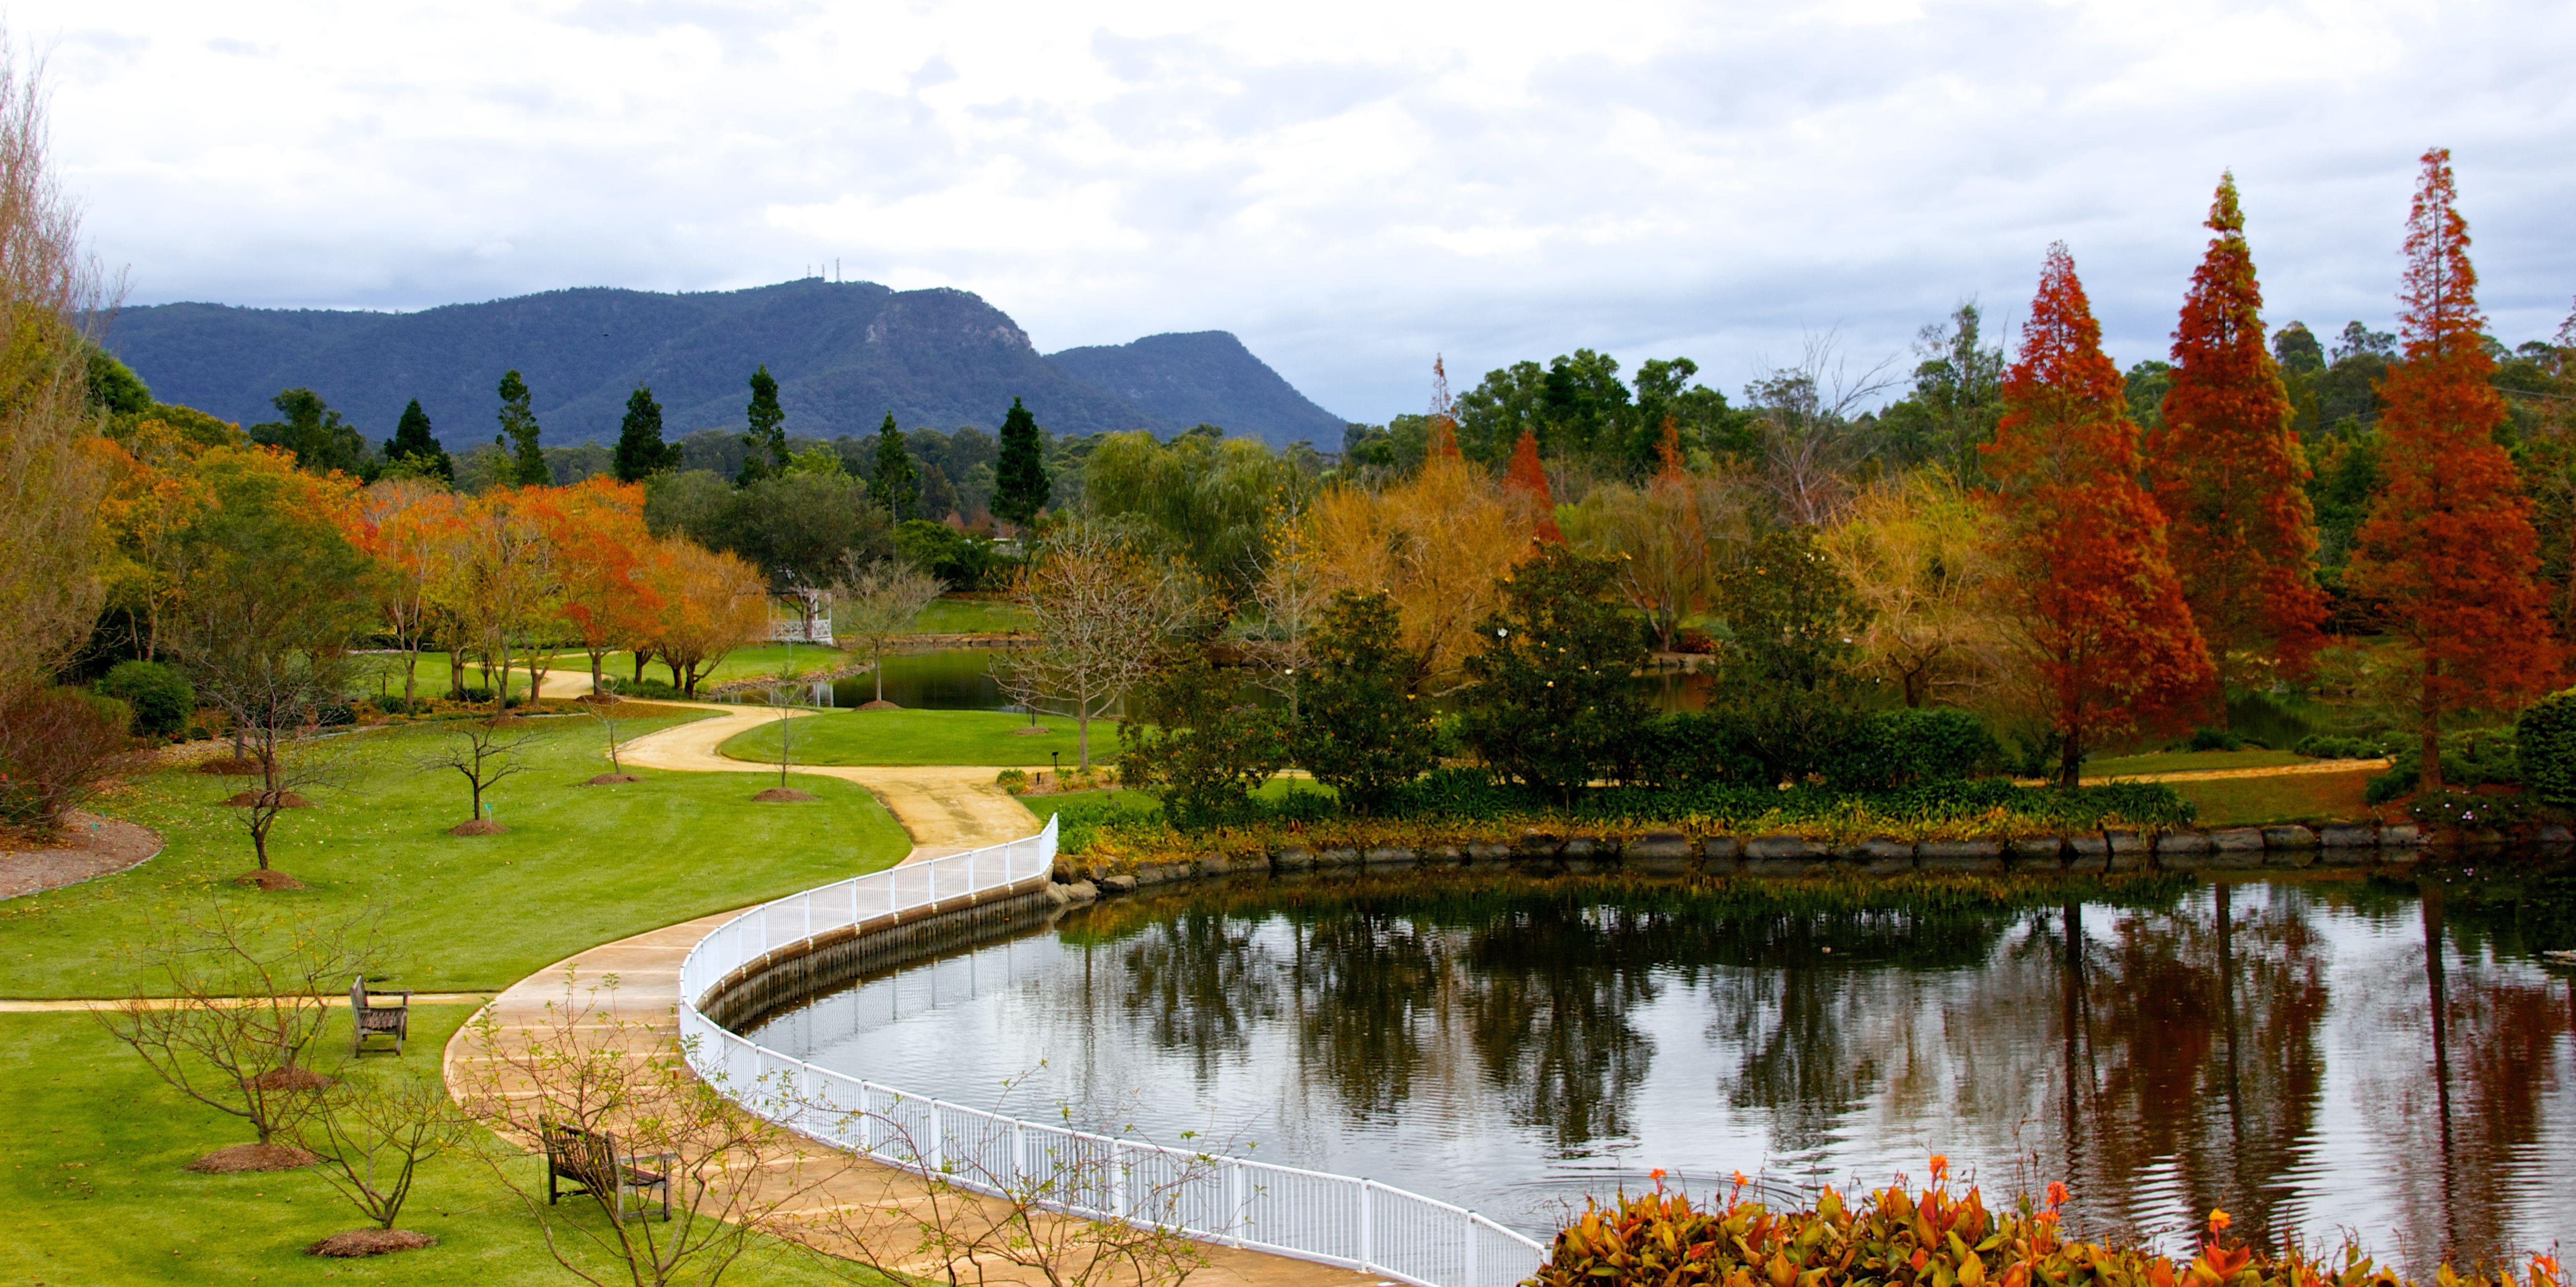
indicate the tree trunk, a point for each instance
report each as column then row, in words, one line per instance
column 598, row 657
column 1082, row 735
column 455, row 675
column 641, row 655
column 2430, row 779
column 411, row 673
column 2070, row 763
column 501, row 691
column 879, row 664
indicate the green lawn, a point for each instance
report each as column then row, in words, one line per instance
column 926, row 737
column 2297, row 797
column 2189, row 762
column 954, row 616
column 94, row 1147
column 581, row 865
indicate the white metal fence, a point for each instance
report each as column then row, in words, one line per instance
column 1335, row 1219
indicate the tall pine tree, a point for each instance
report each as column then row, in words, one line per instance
column 897, row 485
column 2227, row 472
column 2448, row 549
column 414, row 442
column 765, row 442
column 641, row 453
column 519, row 426
column 2095, row 603
column 1020, row 486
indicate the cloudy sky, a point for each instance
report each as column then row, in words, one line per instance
column 1349, row 187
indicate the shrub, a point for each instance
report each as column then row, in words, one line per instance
column 636, row 689
column 1363, row 731
column 2451, row 809
column 1689, row 749
column 2545, row 742
column 335, row 715
column 964, row 562
column 1012, row 780
column 56, row 745
column 2330, row 746
column 1551, row 704
column 1906, row 746
column 161, row 698
column 2470, row 758
column 2215, row 739
column 1202, row 755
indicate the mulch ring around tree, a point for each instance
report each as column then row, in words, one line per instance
column 270, row 880
column 785, row 795
column 85, row 847
column 242, row 1158
column 880, row 704
column 478, row 827
column 612, row 779
column 284, row 799
column 290, row 1077
column 232, row 766
column 1030, row 730
column 348, row 1244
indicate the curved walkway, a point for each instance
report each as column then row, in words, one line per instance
column 947, row 809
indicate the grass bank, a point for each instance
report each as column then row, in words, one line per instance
column 581, row 865
column 2294, row 797
column 97, row 1194
column 927, row 737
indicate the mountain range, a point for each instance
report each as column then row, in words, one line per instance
column 844, row 354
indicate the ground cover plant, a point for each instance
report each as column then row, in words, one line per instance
column 914, row 737
column 580, row 865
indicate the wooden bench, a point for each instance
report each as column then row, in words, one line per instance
column 589, row 1160
column 369, row 1017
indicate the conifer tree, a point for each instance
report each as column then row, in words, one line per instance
column 519, row 427
column 1527, row 479
column 2225, row 466
column 1020, row 486
column 765, row 442
column 641, row 453
column 414, row 441
column 897, row 485
column 2448, row 549
column 2095, row 604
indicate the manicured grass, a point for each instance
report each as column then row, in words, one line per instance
column 581, row 865
column 926, row 737
column 2189, row 762
column 955, row 616
column 741, row 663
column 91, row 1158
column 2295, row 797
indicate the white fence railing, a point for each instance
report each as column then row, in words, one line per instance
column 1335, row 1219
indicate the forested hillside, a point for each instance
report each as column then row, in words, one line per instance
column 1204, row 377
column 844, row 354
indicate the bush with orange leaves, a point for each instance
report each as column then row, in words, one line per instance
column 1934, row 1238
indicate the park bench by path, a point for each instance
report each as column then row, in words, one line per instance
column 367, row 1018
column 590, row 1160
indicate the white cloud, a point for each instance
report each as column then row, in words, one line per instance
column 1350, row 187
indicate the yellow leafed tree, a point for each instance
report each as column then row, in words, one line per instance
column 1436, row 543
column 1919, row 555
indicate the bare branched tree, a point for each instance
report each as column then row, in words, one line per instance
column 373, row 1131
column 1290, row 593
column 581, row 1073
column 1807, row 411
column 876, row 602
column 603, row 705
column 483, row 752
column 783, row 689
column 1105, row 615
column 229, row 1001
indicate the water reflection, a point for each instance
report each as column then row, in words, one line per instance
column 2288, row 1051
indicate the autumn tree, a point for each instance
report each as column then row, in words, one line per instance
column 1106, row 617
column 1436, row 543
column 2227, row 473
column 1526, row 481
column 597, row 527
column 154, row 493
column 2448, row 550
column 1916, row 553
column 407, row 526
column 2091, row 596
column 1665, row 538
column 503, row 583
column 712, row 603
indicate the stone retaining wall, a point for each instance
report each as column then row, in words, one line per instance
column 793, row 973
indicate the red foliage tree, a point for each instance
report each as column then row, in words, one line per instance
column 2226, row 469
column 2096, row 605
column 2448, row 549
column 601, row 546
column 1526, row 480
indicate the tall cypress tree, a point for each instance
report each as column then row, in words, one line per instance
column 897, row 485
column 519, row 425
column 1020, row 486
column 765, row 443
column 641, row 453
column 413, row 441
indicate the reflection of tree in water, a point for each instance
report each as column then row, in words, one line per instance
column 1199, row 981
column 1367, row 987
column 1546, row 995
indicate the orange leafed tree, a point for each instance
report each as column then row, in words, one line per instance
column 410, row 528
column 2095, row 604
column 608, row 599
column 2448, row 548
column 1526, row 482
column 2226, row 469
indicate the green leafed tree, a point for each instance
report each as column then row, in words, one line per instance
column 1364, row 731
column 896, row 485
column 765, row 453
column 416, row 449
column 1551, row 704
column 519, row 429
column 1196, row 748
column 641, row 453
column 1020, row 485
column 321, row 440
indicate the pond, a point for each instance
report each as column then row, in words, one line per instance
column 2285, row 1050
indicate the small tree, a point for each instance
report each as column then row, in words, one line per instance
column 483, row 752
column 229, row 1002
column 783, row 689
column 1290, row 594
column 876, row 602
column 1195, row 748
column 56, row 746
column 1789, row 667
column 373, row 1131
column 1366, row 732
column 1104, row 616
column 602, row 706
column 1551, row 703
column 897, row 485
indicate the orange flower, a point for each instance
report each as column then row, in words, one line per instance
column 2219, row 1220
column 1657, row 1175
column 2056, row 1193
column 1940, row 1165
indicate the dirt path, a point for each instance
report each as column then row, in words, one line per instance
column 2267, row 771
column 88, row 847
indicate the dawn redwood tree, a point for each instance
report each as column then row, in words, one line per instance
column 2094, row 602
column 2226, row 469
column 1527, row 480
column 2448, row 549
column 1020, row 486
column 641, row 453
column 897, row 485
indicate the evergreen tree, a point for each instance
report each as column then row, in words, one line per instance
column 1551, row 703
column 414, row 442
column 321, row 440
column 2227, row 471
column 897, row 485
column 641, row 453
column 765, row 443
column 519, row 427
column 1020, row 486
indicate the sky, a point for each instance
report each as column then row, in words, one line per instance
column 1352, row 188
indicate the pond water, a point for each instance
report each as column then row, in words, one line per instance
column 2288, row 1050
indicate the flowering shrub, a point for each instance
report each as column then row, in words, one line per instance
column 1935, row 1238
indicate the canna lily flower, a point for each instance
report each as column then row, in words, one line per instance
column 2057, row 1193
column 1940, row 1165
column 2218, row 1222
